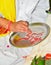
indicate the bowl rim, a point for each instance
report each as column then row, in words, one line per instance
column 37, row 23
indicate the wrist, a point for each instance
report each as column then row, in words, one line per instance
column 10, row 26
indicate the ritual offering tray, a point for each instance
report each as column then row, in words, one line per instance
column 22, row 39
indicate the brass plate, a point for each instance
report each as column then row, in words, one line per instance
column 39, row 32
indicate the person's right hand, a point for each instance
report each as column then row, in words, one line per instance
column 20, row 26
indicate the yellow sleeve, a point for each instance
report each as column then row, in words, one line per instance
column 8, row 10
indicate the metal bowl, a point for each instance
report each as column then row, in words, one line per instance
column 39, row 31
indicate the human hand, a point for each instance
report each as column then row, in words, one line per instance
column 20, row 26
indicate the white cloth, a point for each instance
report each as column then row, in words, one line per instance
column 24, row 9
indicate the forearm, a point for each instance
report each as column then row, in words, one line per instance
column 4, row 23
column 20, row 26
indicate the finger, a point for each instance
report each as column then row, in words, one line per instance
column 29, row 31
column 20, row 30
column 25, row 28
column 23, row 25
column 24, row 22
